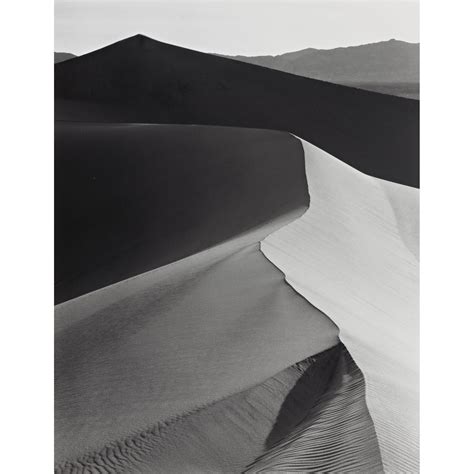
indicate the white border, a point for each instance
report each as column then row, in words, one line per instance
column 447, row 236
column 26, row 202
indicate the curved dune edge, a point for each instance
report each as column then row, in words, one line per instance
column 353, row 255
column 176, row 338
column 134, row 197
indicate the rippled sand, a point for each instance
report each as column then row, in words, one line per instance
column 353, row 255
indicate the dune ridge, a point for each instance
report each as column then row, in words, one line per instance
column 181, row 336
column 133, row 197
column 353, row 256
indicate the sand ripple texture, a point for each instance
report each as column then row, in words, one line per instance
column 354, row 256
column 311, row 417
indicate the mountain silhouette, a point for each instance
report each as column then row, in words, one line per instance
column 386, row 61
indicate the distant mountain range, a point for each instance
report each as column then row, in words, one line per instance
column 390, row 67
column 60, row 57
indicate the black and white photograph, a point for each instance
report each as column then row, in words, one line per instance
column 236, row 237
column 234, row 197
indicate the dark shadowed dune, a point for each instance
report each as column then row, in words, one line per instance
column 336, row 434
column 130, row 198
column 142, row 80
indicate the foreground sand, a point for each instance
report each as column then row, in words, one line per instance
column 353, row 255
column 311, row 417
column 169, row 341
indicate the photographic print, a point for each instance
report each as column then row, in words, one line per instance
column 236, row 213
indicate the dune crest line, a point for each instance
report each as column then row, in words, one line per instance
column 353, row 256
column 174, row 339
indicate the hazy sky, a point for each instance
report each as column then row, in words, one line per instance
column 248, row 27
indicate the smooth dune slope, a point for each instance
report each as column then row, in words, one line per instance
column 353, row 255
column 130, row 198
column 142, row 80
column 167, row 342
column 245, row 430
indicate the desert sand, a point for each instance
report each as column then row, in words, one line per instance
column 353, row 255
column 336, row 434
column 227, row 356
column 133, row 197
column 172, row 340
column 311, row 416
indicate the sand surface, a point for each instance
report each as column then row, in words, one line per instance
column 336, row 434
column 130, row 198
column 185, row 335
column 226, row 358
column 291, row 420
column 353, row 255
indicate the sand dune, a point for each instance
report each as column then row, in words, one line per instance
column 169, row 341
column 140, row 80
column 336, row 434
column 130, row 198
column 212, row 362
column 246, row 432
column 353, row 255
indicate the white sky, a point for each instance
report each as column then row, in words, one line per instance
column 235, row 27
